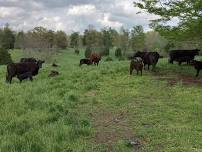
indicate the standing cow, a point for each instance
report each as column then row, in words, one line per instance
column 95, row 58
column 32, row 60
column 182, row 55
column 137, row 64
column 17, row 69
column 149, row 58
column 197, row 66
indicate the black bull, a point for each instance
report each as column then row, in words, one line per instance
column 149, row 58
column 16, row 69
column 177, row 55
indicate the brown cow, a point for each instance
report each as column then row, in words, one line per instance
column 137, row 64
column 95, row 58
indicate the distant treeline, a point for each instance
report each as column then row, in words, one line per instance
column 42, row 39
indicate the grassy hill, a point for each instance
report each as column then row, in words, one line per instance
column 101, row 109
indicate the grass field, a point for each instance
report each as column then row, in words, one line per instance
column 102, row 109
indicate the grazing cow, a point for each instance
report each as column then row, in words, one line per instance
column 21, row 68
column 197, row 66
column 137, row 64
column 149, row 58
column 32, row 60
column 85, row 61
column 95, row 58
column 175, row 55
column 25, row 76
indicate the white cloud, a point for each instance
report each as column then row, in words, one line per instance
column 105, row 21
column 81, row 10
column 71, row 15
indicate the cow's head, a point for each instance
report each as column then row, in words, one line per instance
column 40, row 62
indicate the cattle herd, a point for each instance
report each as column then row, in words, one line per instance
column 29, row 67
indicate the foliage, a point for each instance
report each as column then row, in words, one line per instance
column 187, row 12
column 137, row 39
column 7, row 38
column 61, row 39
column 76, row 51
column 105, row 51
column 74, row 40
column 118, row 52
column 5, row 57
column 88, row 52
column 108, row 58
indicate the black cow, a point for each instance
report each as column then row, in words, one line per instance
column 27, row 75
column 197, row 66
column 176, row 55
column 186, row 59
column 85, row 61
column 149, row 58
column 32, row 60
column 16, row 69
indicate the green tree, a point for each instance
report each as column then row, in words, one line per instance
column 61, row 39
column 7, row 38
column 137, row 38
column 5, row 57
column 107, row 38
column 74, row 40
column 20, row 40
column 188, row 13
column 124, row 40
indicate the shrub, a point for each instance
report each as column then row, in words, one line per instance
column 77, row 51
column 88, row 52
column 5, row 57
column 105, row 51
column 122, row 58
column 118, row 52
column 108, row 59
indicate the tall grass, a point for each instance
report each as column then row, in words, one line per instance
column 54, row 114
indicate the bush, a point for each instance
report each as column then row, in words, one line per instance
column 88, row 52
column 108, row 59
column 77, row 51
column 5, row 57
column 105, row 51
column 122, row 58
column 118, row 52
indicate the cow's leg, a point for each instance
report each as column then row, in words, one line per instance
column 197, row 74
column 10, row 79
column 137, row 72
column 131, row 70
column 144, row 66
column 141, row 72
column 30, row 78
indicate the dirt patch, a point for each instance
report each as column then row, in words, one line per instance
column 110, row 128
column 176, row 78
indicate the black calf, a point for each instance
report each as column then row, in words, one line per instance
column 27, row 75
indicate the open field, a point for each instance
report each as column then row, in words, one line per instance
column 101, row 109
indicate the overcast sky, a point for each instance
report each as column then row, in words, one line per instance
column 71, row 15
